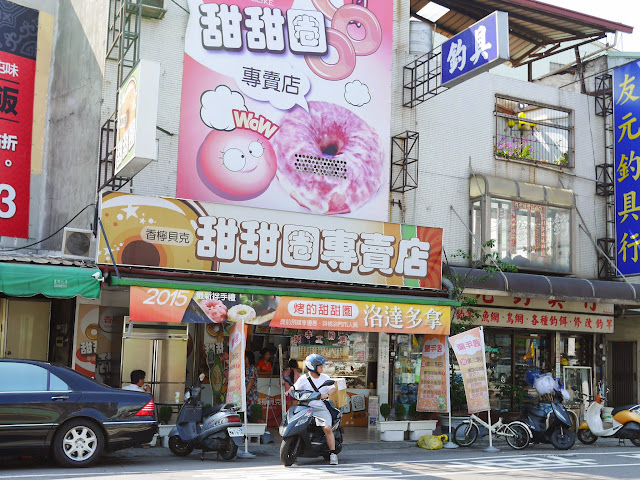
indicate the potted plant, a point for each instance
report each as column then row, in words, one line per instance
column 419, row 425
column 392, row 430
column 164, row 414
column 255, row 427
column 511, row 397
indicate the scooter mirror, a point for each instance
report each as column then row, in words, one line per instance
column 327, row 383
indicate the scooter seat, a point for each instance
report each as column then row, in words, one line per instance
column 620, row 409
column 216, row 409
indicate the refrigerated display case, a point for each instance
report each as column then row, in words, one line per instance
column 161, row 351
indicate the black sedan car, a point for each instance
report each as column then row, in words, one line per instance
column 52, row 410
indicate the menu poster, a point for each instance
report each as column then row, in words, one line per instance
column 469, row 349
column 236, row 388
column 374, row 405
column 433, row 389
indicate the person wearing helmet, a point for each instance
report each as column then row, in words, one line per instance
column 314, row 365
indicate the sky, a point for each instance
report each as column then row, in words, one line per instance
column 626, row 12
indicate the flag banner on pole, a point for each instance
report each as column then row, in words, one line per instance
column 469, row 349
column 236, row 387
column 433, row 390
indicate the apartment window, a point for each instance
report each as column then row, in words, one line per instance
column 532, row 132
column 531, row 225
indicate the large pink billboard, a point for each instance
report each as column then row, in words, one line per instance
column 286, row 104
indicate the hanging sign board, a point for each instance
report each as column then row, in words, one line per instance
column 236, row 383
column 477, row 49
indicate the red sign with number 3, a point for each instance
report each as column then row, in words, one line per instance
column 17, row 75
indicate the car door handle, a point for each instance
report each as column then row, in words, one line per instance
column 61, row 397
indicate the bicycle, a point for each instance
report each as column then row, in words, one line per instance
column 517, row 433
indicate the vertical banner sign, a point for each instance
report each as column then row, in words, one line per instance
column 286, row 105
column 469, row 349
column 236, row 388
column 433, row 390
column 626, row 133
column 19, row 37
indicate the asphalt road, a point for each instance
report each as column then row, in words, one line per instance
column 606, row 460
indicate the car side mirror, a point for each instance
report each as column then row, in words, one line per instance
column 327, row 383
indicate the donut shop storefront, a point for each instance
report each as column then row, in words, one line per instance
column 274, row 270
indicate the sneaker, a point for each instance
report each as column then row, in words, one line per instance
column 333, row 459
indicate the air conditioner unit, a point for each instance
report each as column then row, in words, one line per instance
column 153, row 9
column 78, row 244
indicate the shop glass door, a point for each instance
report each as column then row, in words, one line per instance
column 406, row 371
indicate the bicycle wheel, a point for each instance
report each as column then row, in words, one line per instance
column 466, row 434
column 518, row 435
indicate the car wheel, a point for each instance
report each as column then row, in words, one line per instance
column 78, row 443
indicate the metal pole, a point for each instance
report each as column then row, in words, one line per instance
column 246, row 453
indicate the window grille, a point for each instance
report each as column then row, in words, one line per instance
column 532, row 132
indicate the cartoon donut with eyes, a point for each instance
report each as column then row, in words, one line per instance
column 236, row 165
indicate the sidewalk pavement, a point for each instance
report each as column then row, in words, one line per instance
column 364, row 440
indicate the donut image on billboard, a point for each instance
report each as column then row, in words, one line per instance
column 287, row 105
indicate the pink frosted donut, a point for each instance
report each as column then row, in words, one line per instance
column 355, row 13
column 329, row 160
column 347, row 58
column 325, row 7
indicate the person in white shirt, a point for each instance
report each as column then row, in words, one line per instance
column 314, row 363
column 137, row 382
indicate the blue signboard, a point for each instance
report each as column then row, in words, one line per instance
column 480, row 47
column 626, row 134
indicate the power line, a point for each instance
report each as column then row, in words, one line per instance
column 53, row 234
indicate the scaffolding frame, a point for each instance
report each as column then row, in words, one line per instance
column 605, row 178
column 405, row 151
column 123, row 47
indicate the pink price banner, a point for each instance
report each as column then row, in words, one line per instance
column 433, row 390
column 469, row 349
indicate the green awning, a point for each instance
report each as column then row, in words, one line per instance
column 28, row 279
column 387, row 296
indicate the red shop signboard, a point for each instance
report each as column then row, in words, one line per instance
column 17, row 75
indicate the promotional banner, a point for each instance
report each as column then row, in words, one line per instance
column 626, row 110
column 19, row 34
column 433, row 390
column 469, row 349
column 188, row 306
column 286, row 104
column 236, row 387
column 189, row 235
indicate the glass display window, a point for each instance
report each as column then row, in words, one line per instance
column 576, row 350
column 406, row 369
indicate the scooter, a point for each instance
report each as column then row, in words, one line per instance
column 625, row 423
column 217, row 429
column 301, row 432
column 553, row 428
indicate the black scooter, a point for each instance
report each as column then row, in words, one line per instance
column 301, row 432
column 217, row 429
column 553, row 428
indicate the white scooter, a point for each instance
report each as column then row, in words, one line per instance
column 625, row 422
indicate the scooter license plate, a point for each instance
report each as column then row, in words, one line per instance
column 235, row 432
